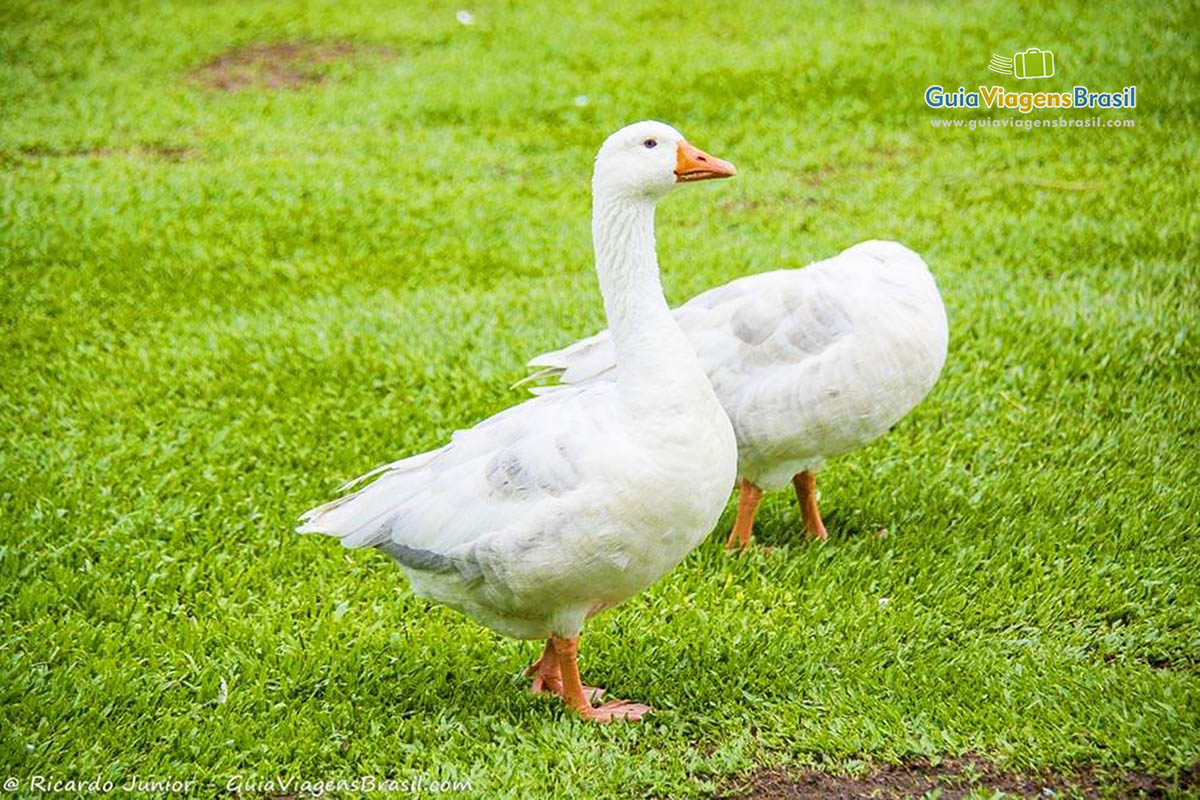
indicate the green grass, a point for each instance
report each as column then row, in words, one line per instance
column 217, row 306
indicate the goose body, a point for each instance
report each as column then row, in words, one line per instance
column 550, row 512
column 809, row 363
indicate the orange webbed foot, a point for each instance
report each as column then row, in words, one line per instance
column 749, row 496
column 579, row 698
column 806, row 492
column 617, row 709
column 547, row 678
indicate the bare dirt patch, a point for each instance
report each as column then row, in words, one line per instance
column 283, row 65
column 951, row 779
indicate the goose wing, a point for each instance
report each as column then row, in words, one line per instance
column 509, row 476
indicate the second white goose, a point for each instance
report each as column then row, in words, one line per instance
column 810, row 363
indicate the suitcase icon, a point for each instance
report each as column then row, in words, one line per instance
column 1033, row 63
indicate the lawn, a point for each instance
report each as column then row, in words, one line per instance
column 250, row 250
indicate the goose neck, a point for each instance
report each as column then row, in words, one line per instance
column 646, row 338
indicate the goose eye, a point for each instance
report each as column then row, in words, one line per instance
column 650, row 144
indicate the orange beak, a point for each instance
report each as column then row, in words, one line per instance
column 693, row 164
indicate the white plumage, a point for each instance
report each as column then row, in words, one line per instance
column 809, row 363
column 547, row 513
column 567, row 504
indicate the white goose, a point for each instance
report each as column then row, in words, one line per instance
column 559, row 508
column 810, row 363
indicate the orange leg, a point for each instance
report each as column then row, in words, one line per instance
column 547, row 676
column 749, row 496
column 806, row 492
column 566, row 651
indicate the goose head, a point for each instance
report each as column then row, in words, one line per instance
column 646, row 160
